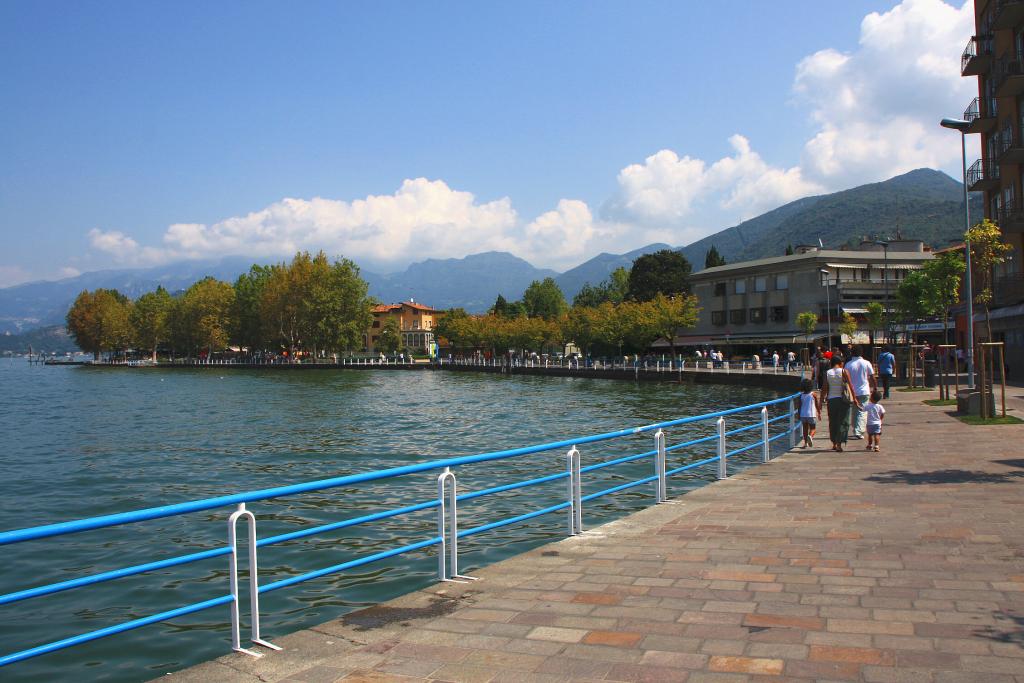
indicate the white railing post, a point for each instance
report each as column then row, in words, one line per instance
column 723, row 471
column 792, row 423
column 254, row 592
column 449, row 546
column 660, row 485
column 766, row 454
column 572, row 463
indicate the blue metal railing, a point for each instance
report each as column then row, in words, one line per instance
column 447, row 535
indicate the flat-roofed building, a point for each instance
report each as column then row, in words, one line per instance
column 415, row 323
column 757, row 302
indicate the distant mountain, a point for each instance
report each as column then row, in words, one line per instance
column 47, row 340
column 598, row 269
column 473, row 282
column 922, row 204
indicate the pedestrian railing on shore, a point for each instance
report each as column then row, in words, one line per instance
column 449, row 532
column 660, row 366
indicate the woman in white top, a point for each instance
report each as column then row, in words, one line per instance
column 840, row 396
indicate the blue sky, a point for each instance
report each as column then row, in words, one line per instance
column 140, row 133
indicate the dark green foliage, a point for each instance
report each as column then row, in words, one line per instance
column 713, row 258
column 663, row 272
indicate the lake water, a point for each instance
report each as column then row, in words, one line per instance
column 80, row 442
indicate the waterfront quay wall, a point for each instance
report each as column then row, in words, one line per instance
column 781, row 381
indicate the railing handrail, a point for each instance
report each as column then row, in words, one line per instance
column 145, row 514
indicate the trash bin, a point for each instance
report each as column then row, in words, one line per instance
column 930, row 373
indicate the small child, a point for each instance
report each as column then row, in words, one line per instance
column 876, row 413
column 810, row 409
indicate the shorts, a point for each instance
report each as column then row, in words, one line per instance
column 809, row 421
column 874, row 429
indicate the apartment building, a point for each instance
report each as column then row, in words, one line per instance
column 755, row 303
column 995, row 56
column 415, row 321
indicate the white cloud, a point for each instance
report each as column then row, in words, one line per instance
column 13, row 275
column 878, row 107
column 68, row 272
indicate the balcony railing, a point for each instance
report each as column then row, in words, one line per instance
column 977, row 57
column 981, row 114
column 983, row 175
column 1010, row 145
column 1009, row 76
column 1008, row 14
column 1010, row 216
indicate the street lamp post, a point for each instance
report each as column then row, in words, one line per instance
column 962, row 126
column 828, row 306
column 885, row 283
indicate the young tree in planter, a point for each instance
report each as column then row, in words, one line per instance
column 807, row 322
column 987, row 251
column 847, row 324
column 942, row 275
column 875, row 318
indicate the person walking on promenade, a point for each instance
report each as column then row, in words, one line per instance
column 886, row 368
column 810, row 411
column 840, row 397
column 875, row 413
column 862, row 379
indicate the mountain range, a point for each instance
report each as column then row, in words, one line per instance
column 923, row 204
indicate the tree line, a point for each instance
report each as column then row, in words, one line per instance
column 625, row 313
column 309, row 305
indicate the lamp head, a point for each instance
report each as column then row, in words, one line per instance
column 955, row 124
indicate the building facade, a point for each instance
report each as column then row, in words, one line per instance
column 415, row 322
column 756, row 303
column 995, row 55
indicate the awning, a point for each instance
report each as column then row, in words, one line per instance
column 853, row 309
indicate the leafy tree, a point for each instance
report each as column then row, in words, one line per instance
column 390, row 338
column 452, row 326
column 789, row 250
column 590, row 296
column 666, row 272
column 207, row 307
column 500, row 306
column 943, row 275
column 665, row 316
column 249, row 331
column 987, row 251
column 807, row 322
column 847, row 324
column 149, row 319
column 99, row 321
column 614, row 289
column 875, row 317
column 544, row 299
column 581, row 326
column 336, row 311
column 912, row 298
column 713, row 258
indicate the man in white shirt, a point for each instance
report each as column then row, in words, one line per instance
column 862, row 377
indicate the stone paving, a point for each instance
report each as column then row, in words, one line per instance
column 903, row 565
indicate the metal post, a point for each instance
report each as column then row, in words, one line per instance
column 572, row 463
column 792, row 423
column 967, row 247
column 723, row 471
column 254, row 593
column 660, row 488
column 766, row 452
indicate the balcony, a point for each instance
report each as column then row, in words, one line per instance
column 983, row 175
column 1008, row 14
column 1010, row 145
column 1008, row 76
column 1008, row 290
column 981, row 114
column 977, row 57
column 1011, row 217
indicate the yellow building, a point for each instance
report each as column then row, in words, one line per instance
column 415, row 321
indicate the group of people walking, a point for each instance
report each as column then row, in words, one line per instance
column 846, row 385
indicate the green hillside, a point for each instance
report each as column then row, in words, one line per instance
column 923, row 204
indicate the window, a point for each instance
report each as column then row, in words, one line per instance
column 741, row 286
column 718, row 317
column 376, row 323
column 760, row 284
column 782, row 281
column 719, row 289
column 780, row 314
column 738, row 316
column 757, row 315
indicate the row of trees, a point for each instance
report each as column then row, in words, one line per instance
column 311, row 304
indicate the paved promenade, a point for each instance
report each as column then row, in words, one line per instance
column 903, row 565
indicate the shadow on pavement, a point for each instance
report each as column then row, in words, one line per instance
column 1010, row 629
column 944, row 477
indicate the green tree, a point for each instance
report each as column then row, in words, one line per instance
column 807, row 322
column 99, row 321
column 713, row 258
column 336, row 311
column 614, row 289
column 943, row 274
column 987, row 251
column 207, row 307
column 390, row 338
column 500, row 306
column 543, row 299
column 874, row 316
column 913, row 300
column 789, row 250
column 452, row 326
column 666, row 272
column 150, row 319
column 847, row 324
column 665, row 316
column 581, row 326
column 249, row 329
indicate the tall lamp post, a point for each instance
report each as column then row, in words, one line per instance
column 885, row 282
column 828, row 305
column 962, row 126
